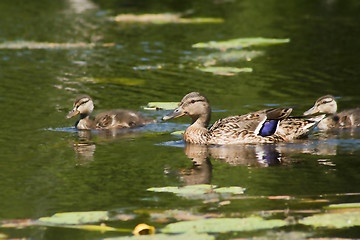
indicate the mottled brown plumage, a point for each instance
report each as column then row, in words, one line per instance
column 238, row 129
column 112, row 119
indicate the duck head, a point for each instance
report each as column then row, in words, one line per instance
column 83, row 105
column 325, row 104
column 195, row 106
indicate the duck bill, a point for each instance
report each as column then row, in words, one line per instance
column 312, row 110
column 178, row 112
column 72, row 113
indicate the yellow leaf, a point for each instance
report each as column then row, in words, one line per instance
column 143, row 229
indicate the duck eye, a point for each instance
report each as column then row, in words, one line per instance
column 192, row 101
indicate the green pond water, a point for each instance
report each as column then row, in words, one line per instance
column 47, row 167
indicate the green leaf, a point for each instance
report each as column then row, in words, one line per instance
column 240, row 43
column 116, row 80
column 194, row 190
column 221, row 225
column 343, row 206
column 226, row 71
column 187, row 190
column 189, row 236
column 231, row 55
column 333, row 220
column 233, row 190
column 164, row 18
column 178, row 133
column 161, row 105
column 47, row 45
column 76, row 217
column 100, row 228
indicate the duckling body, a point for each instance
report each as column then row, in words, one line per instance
column 113, row 119
column 264, row 126
column 345, row 119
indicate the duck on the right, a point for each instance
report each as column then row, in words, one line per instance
column 345, row 119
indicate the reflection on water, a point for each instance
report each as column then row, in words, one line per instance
column 324, row 145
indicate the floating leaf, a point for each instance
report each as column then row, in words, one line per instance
column 143, row 229
column 76, row 217
column 343, row 206
column 226, row 71
column 116, row 80
column 164, row 18
column 148, row 67
column 240, row 43
column 200, row 189
column 100, row 228
column 189, row 236
column 47, row 45
column 187, row 190
column 161, row 105
column 229, row 56
column 233, row 190
column 333, row 220
column 221, row 225
column 178, row 133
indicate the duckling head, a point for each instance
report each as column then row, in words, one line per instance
column 325, row 104
column 83, row 105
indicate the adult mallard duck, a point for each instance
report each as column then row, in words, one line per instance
column 112, row 119
column 265, row 126
column 345, row 119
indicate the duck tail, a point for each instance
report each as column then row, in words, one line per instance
column 293, row 127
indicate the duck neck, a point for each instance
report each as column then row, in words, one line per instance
column 197, row 132
column 85, row 122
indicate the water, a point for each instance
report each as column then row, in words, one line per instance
column 49, row 167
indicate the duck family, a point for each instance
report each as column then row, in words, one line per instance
column 264, row 126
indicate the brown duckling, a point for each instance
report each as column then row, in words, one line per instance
column 345, row 119
column 112, row 119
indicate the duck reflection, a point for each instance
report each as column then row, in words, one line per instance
column 201, row 171
column 85, row 146
column 250, row 155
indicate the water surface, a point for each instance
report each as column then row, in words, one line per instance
column 49, row 167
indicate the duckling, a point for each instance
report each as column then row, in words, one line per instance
column 264, row 126
column 112, row 119
column 345, row 119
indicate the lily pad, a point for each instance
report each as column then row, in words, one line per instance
column 221, row 225
column 48, row 45
column 232, row 55
column 166, row 237
column 76, row 217
column 240, row 43
column 199, row 190
column 116, row 80
column 343, row 206
column 333, row 220
column 187, row 190
column 226, row 71
column 100, row 228
column 161, row 105
column 178, row 133
column 232, row 190
column 163, row 18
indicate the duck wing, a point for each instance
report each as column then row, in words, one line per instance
column 297, row 127
column 249, row 128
